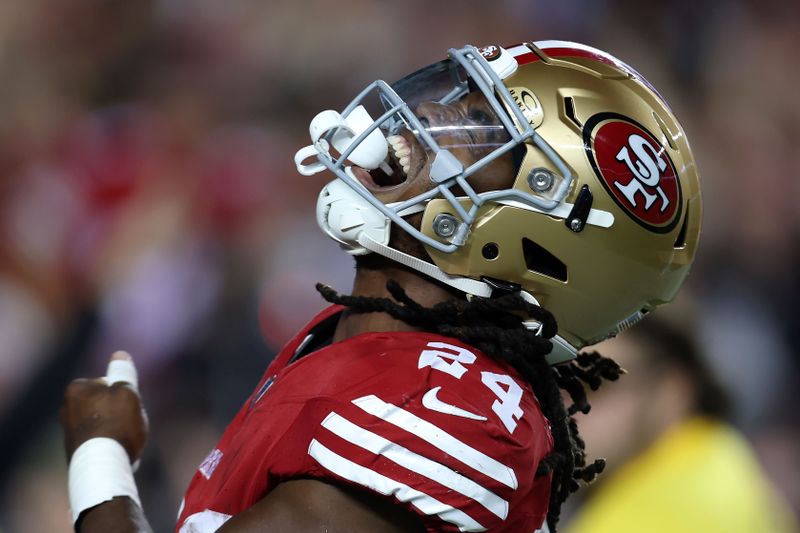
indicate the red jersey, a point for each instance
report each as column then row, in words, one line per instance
column 428, row 421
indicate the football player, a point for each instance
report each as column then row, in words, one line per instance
column 506, row 207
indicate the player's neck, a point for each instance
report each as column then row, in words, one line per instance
column 372, row 283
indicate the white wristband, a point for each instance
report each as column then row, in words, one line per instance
column 99, row 470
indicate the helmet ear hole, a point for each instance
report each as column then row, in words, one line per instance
column 541, row 261
column 490, row 251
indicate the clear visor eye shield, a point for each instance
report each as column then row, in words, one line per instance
column 362, row 140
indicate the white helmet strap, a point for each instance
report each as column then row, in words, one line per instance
column 467, row 285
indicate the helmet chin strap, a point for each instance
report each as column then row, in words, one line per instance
column 467, row 285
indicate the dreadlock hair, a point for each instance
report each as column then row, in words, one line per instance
column 493, row 326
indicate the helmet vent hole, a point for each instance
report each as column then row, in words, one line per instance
column 490, row 251
column 569, row 111
column 680, row 241
column 539, row 260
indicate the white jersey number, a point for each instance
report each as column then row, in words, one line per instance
column 506, row 406
column 438, row 359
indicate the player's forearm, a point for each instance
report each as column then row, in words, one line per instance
column 119, row 515
column 105, row 430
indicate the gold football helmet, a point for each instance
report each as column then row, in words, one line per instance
column 552, row 168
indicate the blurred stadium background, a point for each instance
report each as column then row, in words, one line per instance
column 148, row 199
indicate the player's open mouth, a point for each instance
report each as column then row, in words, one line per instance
column 395, row 169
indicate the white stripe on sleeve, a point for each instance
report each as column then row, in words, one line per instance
column 389, row 487
column 439, row 438
column 416, row 463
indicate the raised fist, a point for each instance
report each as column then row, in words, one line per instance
column 106, row 407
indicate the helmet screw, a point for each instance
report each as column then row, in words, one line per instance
column 445, row 225
column 540, row 179
column 576, row 225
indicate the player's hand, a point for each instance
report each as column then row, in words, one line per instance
column 106, row 407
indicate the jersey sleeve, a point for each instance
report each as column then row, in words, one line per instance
column 455, row 441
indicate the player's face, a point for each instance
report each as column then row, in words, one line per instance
column 467, row 127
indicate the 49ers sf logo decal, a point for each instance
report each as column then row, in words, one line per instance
column 635, row 169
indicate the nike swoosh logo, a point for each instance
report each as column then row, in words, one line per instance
column 432, row 402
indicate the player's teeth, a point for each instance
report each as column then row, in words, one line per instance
column 402, row 151
column 397, row 142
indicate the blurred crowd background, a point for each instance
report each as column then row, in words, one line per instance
column 148, row 199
